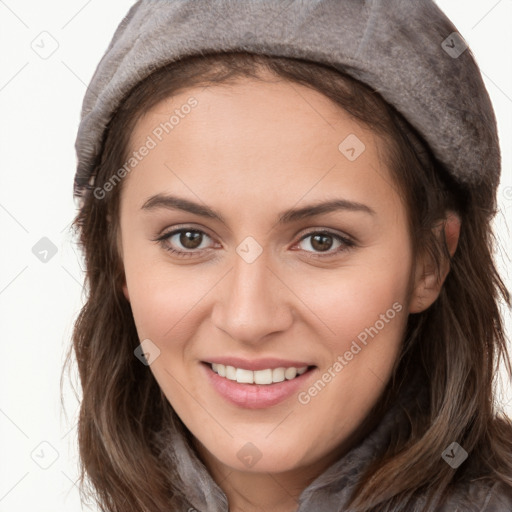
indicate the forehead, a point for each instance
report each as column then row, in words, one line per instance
column 255, row 138
column 249, row 110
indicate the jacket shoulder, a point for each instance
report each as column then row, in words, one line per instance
column 479, row 496
column 499, row 499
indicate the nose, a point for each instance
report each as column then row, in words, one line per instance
column 252, row 302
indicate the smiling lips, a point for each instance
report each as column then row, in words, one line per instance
column 256, row 384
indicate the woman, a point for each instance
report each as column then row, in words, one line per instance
column 292, row 303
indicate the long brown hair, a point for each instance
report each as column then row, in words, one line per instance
column 454, row 347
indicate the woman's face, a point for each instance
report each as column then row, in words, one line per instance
column 264, row 277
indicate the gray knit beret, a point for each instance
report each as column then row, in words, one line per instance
column 406, row 50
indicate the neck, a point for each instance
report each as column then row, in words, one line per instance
column 274, row 492
column 257, row 492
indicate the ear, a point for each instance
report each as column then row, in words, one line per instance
column 428, row 280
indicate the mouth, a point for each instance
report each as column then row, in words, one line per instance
column 260, row 388
column 265, row 377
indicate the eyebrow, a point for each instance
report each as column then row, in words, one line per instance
column 292, row 215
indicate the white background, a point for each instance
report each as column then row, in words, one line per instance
column 40, row 102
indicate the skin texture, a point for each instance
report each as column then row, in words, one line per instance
column 251, row 150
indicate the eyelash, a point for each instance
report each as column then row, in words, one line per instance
column 347, row 244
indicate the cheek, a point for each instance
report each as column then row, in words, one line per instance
column 364, row 309
column 166, row 310
column 362, row 304
column 354, row 300
column 366, row 314
column 163, row 301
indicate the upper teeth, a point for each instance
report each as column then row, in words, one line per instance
column 267, row 376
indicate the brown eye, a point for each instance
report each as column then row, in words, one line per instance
column 190, row 239
column 322, row 242
column 184, row 242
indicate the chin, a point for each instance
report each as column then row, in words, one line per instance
column 259, row 456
